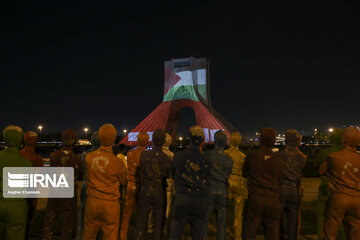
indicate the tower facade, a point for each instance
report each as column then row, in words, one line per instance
column 186, row 84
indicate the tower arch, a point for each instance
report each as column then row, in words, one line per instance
column 186, row 84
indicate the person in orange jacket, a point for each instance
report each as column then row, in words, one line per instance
column 343, row 171
column 133, row 158
column 28, row 152
column 105, row 175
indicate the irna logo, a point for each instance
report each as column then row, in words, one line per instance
column 36, row 180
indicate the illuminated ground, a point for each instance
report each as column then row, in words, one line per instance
column 308, row 215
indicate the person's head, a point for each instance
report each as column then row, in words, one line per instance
column 13, row 136
column 267, row 137
column 336, row 136
column 95, row 141
column 168, row 140
column 30, row 138
column 107, row 135
column 196, row 135
column 69, row 137
column 235, row 139
column 351, row 137
column 122, row 148
column 292, row 138
column 143, row 139
column 220, row 138
column 159, row 136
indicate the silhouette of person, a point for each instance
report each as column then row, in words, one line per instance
column 217, row 182
column 155, row 168
column 190, row 171
column 13, row 211
column 65, row 207
column 105, row 174
column 342, row 169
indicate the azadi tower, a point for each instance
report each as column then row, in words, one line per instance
column 186, row 84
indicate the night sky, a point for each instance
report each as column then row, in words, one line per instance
column 289, row 64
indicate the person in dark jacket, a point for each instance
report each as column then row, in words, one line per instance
column 64, row 157
column 190, row 171
column 262, row 170
column 155, row 167
column 290, row 183
column 217, row 182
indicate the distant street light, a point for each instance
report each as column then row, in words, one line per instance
column 331, row 130
column 40, row 128
column 125, row 131
column 180, row 138
column 86, row 130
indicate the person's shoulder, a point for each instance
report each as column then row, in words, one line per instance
column 336, row 154
column 253, row 154
column 243, row 155
column 280, row 153
column 209, row 153
column 90, row 154
column 132, row 152
column 227, row 157
column 148, row 153
column 55, row 153
column 302, row 155
column 25, row 162
column 181, row 153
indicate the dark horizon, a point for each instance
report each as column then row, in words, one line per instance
column 75, row 65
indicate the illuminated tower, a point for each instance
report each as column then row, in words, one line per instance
column 186, row 84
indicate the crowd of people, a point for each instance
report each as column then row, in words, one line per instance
column 171, row 190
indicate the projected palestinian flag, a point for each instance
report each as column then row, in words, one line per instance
column 183, row 84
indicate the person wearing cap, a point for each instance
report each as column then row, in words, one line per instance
column 263, row 169
column 323, row 190
column 155, row 168
column 28, row 152
column 95, row 144
column 217, row 182
column 343, row 171
column 65, row 207
column 13, row 211
column 133, row 178
column 290, row 183
column 105, row 174
column 237, row 188
column 170, row 187
column 190, row 171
